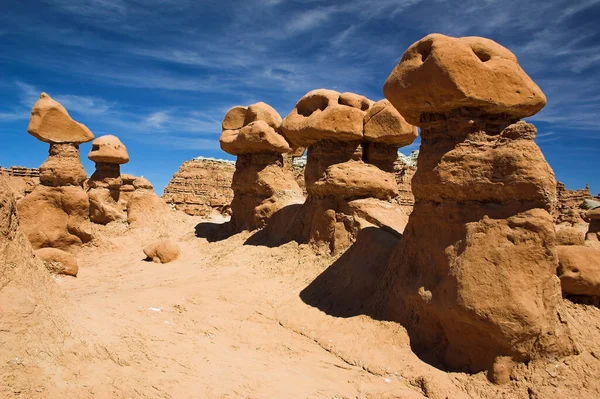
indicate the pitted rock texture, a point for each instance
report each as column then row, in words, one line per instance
column 439, row 74
column 201, row 186
column 323, row 115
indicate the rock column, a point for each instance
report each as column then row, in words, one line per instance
column 55, row 214
column 474, row 277
column 261, row 184
column 105, row 184
column 349, row 180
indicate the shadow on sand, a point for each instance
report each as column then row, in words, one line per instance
column 346, row 287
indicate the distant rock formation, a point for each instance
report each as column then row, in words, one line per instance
column 201, row 186
column 56, row 213
column 569, row 207
column 473, row 278
column 22, row 181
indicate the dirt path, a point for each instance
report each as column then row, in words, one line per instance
column 207, row 323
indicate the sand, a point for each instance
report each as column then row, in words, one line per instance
column 227, row 320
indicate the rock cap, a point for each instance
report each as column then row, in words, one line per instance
column 108, row 149
column 439, row 74
column 50, row 122
column 326, row 115
column 254, row 138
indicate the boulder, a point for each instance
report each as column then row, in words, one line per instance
column 50, row 122
column 56, row 217
column 108, row 149
column 579, row 270
column 141, row 183
column 58, row 261
column 162, row 251
column 440, row 74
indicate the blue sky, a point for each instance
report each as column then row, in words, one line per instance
column 160, row 74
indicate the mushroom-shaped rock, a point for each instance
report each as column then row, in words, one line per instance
column 321, row 115
column 50, row 122
column 58, row 261
column 254, row 138
column 108, row 149
column 579, row 270
column 162, row 251
column 439, row 74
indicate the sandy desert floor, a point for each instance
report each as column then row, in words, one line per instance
column 227, row 320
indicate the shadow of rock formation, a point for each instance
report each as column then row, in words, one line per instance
column 346, row 287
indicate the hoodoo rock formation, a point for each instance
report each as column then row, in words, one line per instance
column 201, row 186
column 352, row 146
column 261, row 185
column 55, row 214
column 474, row 277
column 105, row 184
column 593, row 233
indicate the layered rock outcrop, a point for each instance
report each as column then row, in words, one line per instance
column 105, row 184
column 569, row 207
column 261, row 184
column 55, row 214
column 201, row 186
column 22, row 181
column 474, row 277
column 352, row 146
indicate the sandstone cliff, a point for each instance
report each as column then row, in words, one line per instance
column 200, row 186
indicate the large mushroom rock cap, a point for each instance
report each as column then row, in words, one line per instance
column 384, row 124
column 108, row 149
column 254, row 138
column 50, row 122
column 326, row 115
column 439, row 74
